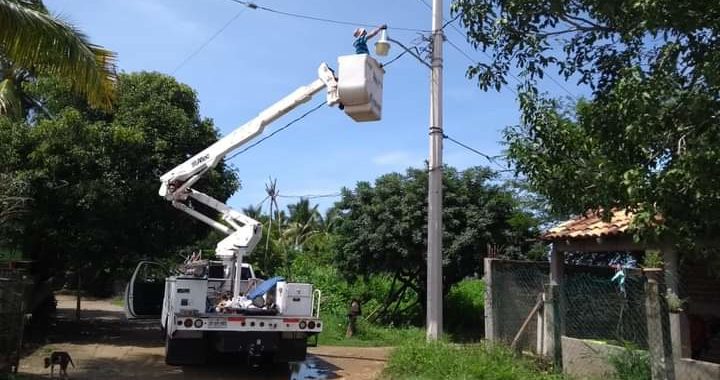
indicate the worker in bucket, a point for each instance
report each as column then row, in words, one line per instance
column 362, row 36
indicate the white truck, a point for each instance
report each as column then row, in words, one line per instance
column 219, row 305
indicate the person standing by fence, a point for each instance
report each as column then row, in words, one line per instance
column 353, row 313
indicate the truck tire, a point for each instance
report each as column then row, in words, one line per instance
column 185, row 351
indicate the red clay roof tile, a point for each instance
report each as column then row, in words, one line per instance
column 591, row 226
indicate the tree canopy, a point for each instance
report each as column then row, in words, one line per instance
column 382, row 227
column 647, row 139
column 92, row 177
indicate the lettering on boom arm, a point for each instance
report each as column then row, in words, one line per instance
column 200, row 160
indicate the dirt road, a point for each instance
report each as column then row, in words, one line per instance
column 104, row 345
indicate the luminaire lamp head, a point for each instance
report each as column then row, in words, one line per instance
column 382, row 46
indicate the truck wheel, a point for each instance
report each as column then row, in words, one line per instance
column 185, row 351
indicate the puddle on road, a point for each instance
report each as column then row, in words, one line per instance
column 307, row 370
column 311, row 369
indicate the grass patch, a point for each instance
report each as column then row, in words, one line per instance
column 118, row 301
column 441, row 360
column 367, row 334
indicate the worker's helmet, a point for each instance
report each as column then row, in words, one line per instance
column 359, row 32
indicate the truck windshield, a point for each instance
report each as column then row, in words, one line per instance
column 245, row 273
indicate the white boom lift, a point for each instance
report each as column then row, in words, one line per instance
column 220, row 305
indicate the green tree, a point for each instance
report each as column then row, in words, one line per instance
column 34, row 43
column 647, row 139
column 382, row 228
column 93, row 177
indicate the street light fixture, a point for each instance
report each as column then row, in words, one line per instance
column 382, row 46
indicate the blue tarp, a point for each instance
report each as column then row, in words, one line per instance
column 264, row 287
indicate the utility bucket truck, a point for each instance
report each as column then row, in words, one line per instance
column 210, row 306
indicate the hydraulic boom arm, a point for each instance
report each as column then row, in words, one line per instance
column 243, row 232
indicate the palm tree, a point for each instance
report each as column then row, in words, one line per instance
column 304, row 221
column 33, row 42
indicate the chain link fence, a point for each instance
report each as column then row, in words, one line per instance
column 608, row 323
column 513, row 289
column 601, row 306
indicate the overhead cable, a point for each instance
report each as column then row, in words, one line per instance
column 207, row 42
column 284, row 127
column 491, row 159
column 252, row 5
column 311, row 196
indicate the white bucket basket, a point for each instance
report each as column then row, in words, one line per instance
column 360, row 86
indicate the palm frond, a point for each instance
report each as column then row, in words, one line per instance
column 33, row 39
column 10, row 103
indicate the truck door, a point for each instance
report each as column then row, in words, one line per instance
column 145, row 291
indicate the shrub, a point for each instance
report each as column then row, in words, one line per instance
column 465, row 308
column 631, row 364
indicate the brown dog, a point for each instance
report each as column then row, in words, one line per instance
column 59, row 358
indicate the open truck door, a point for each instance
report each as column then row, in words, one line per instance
column 145, row 292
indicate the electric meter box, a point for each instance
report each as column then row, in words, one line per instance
column 360, row 86
column 294, row 299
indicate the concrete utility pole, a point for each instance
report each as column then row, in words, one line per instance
column 435, row 227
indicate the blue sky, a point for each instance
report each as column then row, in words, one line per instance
column 261, row 57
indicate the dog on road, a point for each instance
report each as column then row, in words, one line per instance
column 61, row 359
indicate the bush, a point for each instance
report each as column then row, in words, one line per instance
column 441, row 360
column 465, row 308
column 631, row 364
column 336, row 291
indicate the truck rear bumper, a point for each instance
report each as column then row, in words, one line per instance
column 230, row 323
column 283, row 346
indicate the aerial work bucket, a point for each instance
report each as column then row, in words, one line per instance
column 360, row 85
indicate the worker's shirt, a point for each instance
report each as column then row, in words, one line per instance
column 360, row 45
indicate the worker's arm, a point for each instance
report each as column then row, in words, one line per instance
column 375, row 31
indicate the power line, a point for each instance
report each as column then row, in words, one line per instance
column 385, row 64
column 311, row 196
column 260, row 204
column 284, row 127
column 491, row 159
column 208, row 41
column 252, row 5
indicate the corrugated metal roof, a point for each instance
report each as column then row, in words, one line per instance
column 591, row 225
